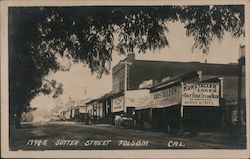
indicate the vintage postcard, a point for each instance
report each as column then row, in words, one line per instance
column 124, row 79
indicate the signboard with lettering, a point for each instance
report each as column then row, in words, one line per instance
column 118, row 104
column 167, row 97
column 200, row 94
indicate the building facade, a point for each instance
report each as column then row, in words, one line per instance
column 130, row 74
column 153, row 96
column 184, row 102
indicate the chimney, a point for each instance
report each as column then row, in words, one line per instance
column 242, row 51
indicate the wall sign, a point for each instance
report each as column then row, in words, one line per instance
column 118, row 104
column 200, row 94
column 167, row 97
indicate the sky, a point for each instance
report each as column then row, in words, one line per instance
column 79, row 80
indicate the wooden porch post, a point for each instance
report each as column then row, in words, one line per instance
column 181, row 120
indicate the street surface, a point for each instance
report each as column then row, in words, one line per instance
column 71, row 136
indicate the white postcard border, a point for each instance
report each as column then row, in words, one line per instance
column 211, row 153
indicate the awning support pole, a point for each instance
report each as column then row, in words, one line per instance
column 181, row 120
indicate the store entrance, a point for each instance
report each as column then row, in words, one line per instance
column 166, row 119
column 198, row 118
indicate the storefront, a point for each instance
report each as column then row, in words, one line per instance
column 98, row 112
column 80, row 113
column 182, row 104
column 130, row 73
column 162, row 112
column 125, row 103
column 90, row 111
column 104, row 110
column 201, row 106
column 95, row 111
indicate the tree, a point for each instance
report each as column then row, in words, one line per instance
column 38, row 36
column 29, row 63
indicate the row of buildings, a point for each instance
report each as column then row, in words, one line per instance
column 169, row 96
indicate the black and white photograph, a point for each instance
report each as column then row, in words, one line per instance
column 124, row 79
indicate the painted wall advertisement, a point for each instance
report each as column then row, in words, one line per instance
column 167, row 97
column 118, row 104
column 200, row 94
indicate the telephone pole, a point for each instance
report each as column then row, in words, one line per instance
column 241, row 63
